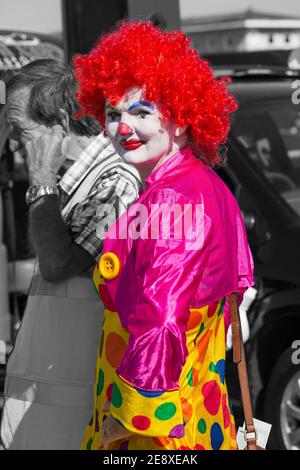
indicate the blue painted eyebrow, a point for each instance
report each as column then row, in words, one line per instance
column 140, row 103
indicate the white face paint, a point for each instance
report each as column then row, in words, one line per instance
column 138, row 131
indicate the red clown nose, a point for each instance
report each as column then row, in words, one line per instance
column 124, row 129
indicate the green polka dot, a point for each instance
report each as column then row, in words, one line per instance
column 199, row 332
column 212, row 367
column 100, row 384
column 116, row 398
column 89, row 443
column 165, row 411
column 220, row 311
column 202, row 426
column 96, row 289
column 190, row 378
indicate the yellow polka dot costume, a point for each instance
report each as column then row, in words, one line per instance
column 201, row 407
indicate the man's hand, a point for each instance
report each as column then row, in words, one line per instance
column 112, row 430
column 45, row 155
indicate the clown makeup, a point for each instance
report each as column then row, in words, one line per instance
column 139, row 133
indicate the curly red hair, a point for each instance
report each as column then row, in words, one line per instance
column 171, row 74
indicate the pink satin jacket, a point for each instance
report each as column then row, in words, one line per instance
column 163, row 272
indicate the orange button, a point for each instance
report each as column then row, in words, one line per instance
column 109, row 265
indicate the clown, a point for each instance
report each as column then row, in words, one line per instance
column 160, row 377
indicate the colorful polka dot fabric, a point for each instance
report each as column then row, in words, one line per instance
column 196, row 416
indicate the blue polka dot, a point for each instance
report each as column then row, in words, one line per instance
column 149, row 393
column 216, row 436
column 220, row 367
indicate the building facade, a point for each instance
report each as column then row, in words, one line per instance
column 247, row 31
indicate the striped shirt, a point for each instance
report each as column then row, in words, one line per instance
column 89, row 210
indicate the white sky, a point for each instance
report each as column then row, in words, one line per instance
column 42, row 16
column 45, row 15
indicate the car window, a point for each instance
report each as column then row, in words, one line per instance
column 271, row 135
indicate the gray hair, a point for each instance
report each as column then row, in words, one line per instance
column 52, row 87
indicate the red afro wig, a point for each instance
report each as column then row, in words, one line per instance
column 169, row 71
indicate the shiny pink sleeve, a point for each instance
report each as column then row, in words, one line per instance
column 168, row 275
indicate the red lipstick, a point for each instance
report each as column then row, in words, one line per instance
column 131, row 144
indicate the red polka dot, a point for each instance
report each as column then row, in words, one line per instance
column 195, row 374
column 212, row 397
column 232, row 431
column 141, row 422
column 202, row 346
column 184, row 448
column 187, row 409
column 104, row 296
column 114, row 349
column 194, row 320
column 199, row 447
column 212, row 309
column 226, row 414
column 109, row 392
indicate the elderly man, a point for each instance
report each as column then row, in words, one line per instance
column 50, row 373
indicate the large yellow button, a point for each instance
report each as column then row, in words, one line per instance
column 109, row 265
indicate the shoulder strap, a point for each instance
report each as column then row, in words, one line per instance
column 240, row 360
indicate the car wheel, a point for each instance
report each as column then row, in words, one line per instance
column 282, row 403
